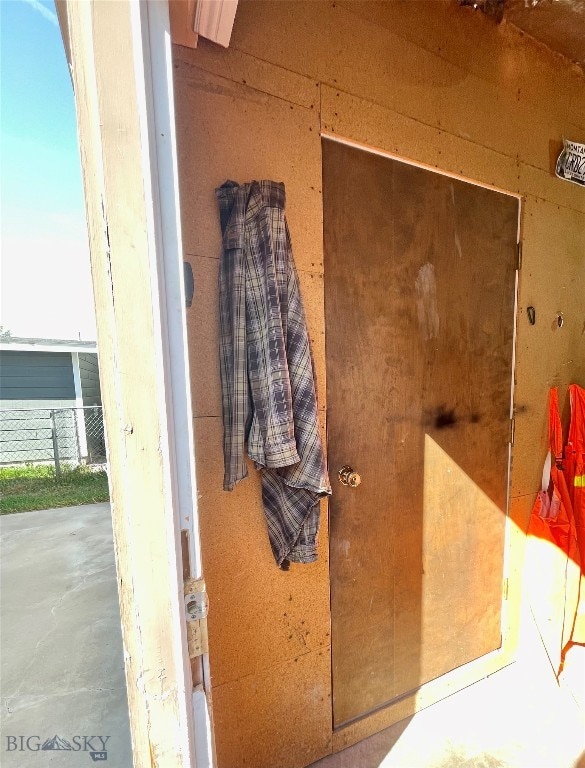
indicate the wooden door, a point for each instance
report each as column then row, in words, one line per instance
column 419, row 302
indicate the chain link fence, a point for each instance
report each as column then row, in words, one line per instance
column 52, row 436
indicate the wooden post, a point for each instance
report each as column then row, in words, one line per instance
column 108, row 51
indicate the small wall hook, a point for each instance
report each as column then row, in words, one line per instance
column 189, row 283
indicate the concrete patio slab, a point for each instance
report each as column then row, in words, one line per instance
column 62, row 669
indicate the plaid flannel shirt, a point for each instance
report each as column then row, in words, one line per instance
column 267, row 375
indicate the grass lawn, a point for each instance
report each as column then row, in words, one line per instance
column 36, row 487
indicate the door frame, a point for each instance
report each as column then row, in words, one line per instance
column 433, row 691
column 121, row 68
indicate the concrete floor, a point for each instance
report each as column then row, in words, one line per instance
column 62, row 670
column 518, row 717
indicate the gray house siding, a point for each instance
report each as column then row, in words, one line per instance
column 36, row 376
column 90, row 379
column 42, row 391
column 91, row 394
column 41, row 381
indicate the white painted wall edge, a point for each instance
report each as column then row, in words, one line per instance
column 79, row 415
column 161, row 259
column 171, row 289
column 158, row 71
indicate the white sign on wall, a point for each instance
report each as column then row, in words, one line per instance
column 571, row 163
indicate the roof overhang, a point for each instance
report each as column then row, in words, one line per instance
column 17, row 344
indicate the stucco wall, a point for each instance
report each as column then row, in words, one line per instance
column 427, row 81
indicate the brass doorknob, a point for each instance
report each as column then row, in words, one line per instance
column 348, row 477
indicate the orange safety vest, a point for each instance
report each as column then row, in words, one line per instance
column 554, row 578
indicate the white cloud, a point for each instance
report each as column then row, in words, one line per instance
column 43, row 10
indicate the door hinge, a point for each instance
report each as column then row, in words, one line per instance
column 518, row 256
column 196, row 608
column 505, row 589
column 512, row 430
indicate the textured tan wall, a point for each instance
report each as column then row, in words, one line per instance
column 431, row 82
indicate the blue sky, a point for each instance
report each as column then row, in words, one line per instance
column 45, row 263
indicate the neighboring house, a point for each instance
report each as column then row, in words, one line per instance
column 42, row 381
